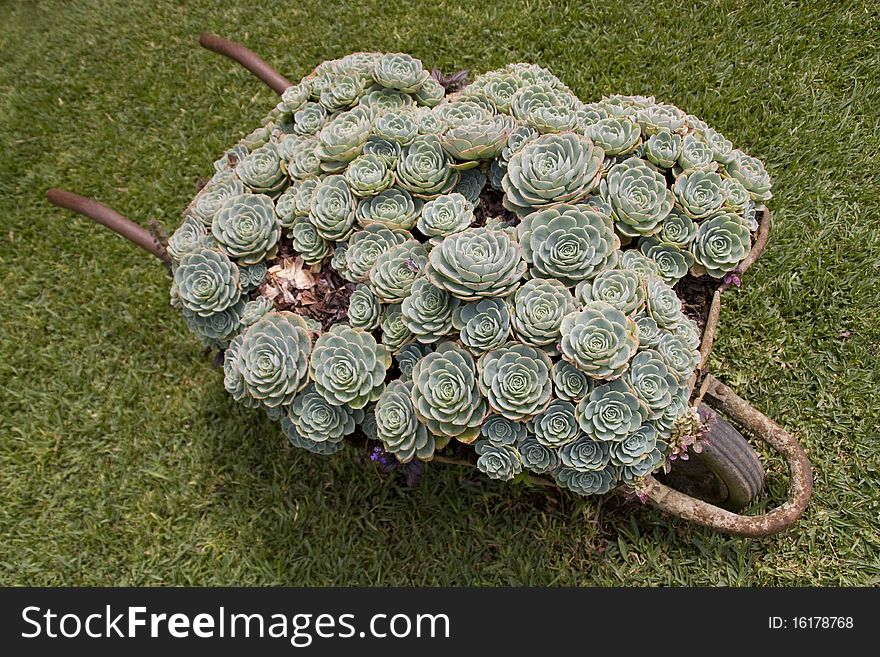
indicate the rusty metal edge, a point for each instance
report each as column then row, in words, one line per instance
column 247, row 58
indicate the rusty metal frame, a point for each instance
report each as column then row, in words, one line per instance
column 714, row 392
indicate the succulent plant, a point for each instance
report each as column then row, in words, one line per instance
column 273, row 358
column 423, row 168
column 696, row 154
column 662, row 303
column 585, row 455
column 678, row 229
column 553, row 168
column 599, row 340
column 294, row 97
column 751, row 173
column 427, row 311
column 189, row 236
column 483, row 325
column 206, row 282
column 567, row 242
column 698, row 193
column 638, row 197
column 722, row 242
column 446, row 214
column 569, row 383
column 343, row 92
column 206, row 203
column 611, row 412
column 499, row 431
column 379, row 100
column 663, row 148
column 445, row 393
column 736, row 197
column 400, row 71
column 658, row 117
column 587, row 483
column 246, row 227
column 216, row 329
column 365, row 246
column 652, row 382
column 639, row 263
column 255, row 310
column 332, row 208
column 535, row 456
column 364, row 309
column 309, row 119
column 408, row 355
column 636, row 447
column 556, row 425
column 307, row 242
column 393, row 208
column 322, row 448
column 348, row 366
column 395, row 270
column 616, row 135
column 478, row 140
column 303, row 160
column 680, row 357
column 395, row 334
column 319, row 420
column 622, row 288
column 538, row 307
column 398, row 426
column 476, row 263
column 500, row 462
column 672, row 260
column 368, row 175
column 261, row 171
column 544, row 107
column 399, row 126
column 515, row 380
column 386, row 149
column 471, row 184
column 431, row 93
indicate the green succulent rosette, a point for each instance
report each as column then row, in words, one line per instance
column 255, row 310
column 698, row 193
column 501, row 462
column 396, row 270
column 537, row 309
column 343, row 92
column 446, row 214
column 663, row 148
column 368, row 175
column 206, row 282
column 536, row 457
column 463, row 111
column 751, row 173
column 736, row 197
column 431, row 93
column 379, row 100
column 399, row 126
column 622, row 288
column 445, row 393
column 722, row 149
column 365, row 246
column 332, row 209
column 394, row 208
column 599, row 340
column 722, row 242
column 556, row 425
column 398, row 426
column 652, row 382
column 471, row 184
column 294, row 97
column 206, row 203
column 587, row 483
column 395, row 333
column 500, row 431
column 680, row 357
column 611, row 412
column 478, row 140
column 216, row 329
column 407, row 357
column 590, row 113
column 401, row 72
column 476, row 263
column 550, row 169
column 483, row 325
column 273, row 358
column 233, row 381
column 662, row 303
column 696, row 154
column 678, row 229
column 638, row 197
column 307, row 242
column 303, row 161
column 659, row 117
column 545, row 108
column 257, row 137
column 688, row 330
column 339, row 261
column 622, row 105
column 424, row 168
column 635, row 448
column 246, row 228
column 348, row 366
column 515, row 380
column 585, row 455
column 632, row 474
column 261, row 171
column 364, row 309
column 342, row 139
column 649, row 332
column 386, row 149
column 427, row 311
column 673, row 261
column 569, row 383
column 189, row 236
column 252, row 276
column 230, row 158
column 318, row 420
column 568, row 242
column 616, row 135
column 368, row 425
column 322, row 448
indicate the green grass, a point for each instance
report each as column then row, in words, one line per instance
column 123, row 461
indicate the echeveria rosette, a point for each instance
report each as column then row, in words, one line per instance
column 230, row 158
column 427, row 311
column 261, row 171
column 538, row 307
column 323, row 448
column 348, row 366
column 462, row 111
column 478, row 140
column 658, row 117
column 342, row 92
column 688, row 330
column 545, row 108
column 407, row 357
column 637, row 194
column 500, row 462
column 652, row 382
column 515, row 380
column 255, row 310
column 233, row 381
column 342, row 139
column 556, row 425
column 611, row 412
column 401, row 72
column 499, row 430
column 364, row 309
column 662, row 303
column 471, row 184
column 567, row 242
column 398, row 426
column 536, row 457
column 294, row 97
column 633, row 474
column 635, row 448
column 379, row 100
column 623, row 105
column 569, row 383
column 483, row 325
column 368, row 175
column 736, row 197
column 206, row 282
column 585, row 455
column 189, row 236
column 365, row 246
column 394, row 272
column 622, row 288
column 395, row 334
column 599, row 340
column 423, row 168
column 696, row 154
column 394, row 208
column 386, row 149
column 274, row 357
column 698, row 193
column 246, row 228
column 639, row 263
column 673, row 261
column 499, row 87
column 256, row 138
column 476, row 263
column 550, row 169
column 445, row 393
column 318, row 420
column 252, row 276
column 398, row 126
column 306, row 241
column 722, row 242
column 332, row 208
column 616, row 135
column 216, row 329
column 663, row 148
column 680, row 357
column 678, row 229
column 303, row 161
column 446, row 214
column 431, row 93
column 596, row 482
column 751, row 173
column 206, row 203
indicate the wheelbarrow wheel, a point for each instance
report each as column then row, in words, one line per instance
column 726, row 473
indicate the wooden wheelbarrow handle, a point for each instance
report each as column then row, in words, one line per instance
column 779, row 519
column 247, row 58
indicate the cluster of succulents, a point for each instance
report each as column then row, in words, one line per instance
column 546, row 335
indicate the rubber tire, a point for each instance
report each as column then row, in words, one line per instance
column 727, row 473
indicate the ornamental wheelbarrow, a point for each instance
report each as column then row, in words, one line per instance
column 719, row 477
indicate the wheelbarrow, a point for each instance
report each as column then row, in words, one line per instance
column 709, row 488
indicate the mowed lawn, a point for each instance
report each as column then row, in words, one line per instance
column 122, row 459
